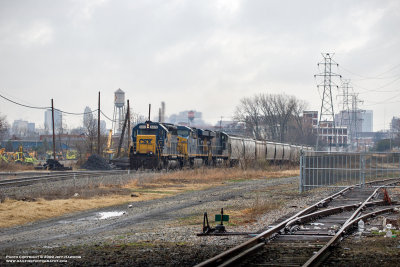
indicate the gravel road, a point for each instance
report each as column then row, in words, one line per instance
column 154, row 227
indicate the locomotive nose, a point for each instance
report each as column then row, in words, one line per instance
column 146, row 144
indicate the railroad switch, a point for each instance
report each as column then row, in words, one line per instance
column 219, row 228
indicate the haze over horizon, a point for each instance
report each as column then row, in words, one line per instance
column 194, row 55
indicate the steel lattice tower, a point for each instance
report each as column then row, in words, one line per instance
column 355, row 114
column 345, row 115
column 327, row 114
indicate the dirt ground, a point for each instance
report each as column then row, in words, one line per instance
column 366, row 251
column 162, row 231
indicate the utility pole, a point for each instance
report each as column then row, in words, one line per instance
column 98, row 127
column 327, row 115
column 129, row 127
column 54, row 136
column 220, row 123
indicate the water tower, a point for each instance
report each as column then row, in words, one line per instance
column 119, row 111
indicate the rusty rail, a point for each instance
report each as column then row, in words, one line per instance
column 317, row 257
column 232, row 255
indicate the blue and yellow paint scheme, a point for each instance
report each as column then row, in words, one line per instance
column 148, row 140
column 163, row 145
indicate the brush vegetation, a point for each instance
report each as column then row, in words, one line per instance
column 30, row 209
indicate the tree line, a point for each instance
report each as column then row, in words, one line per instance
column 275, row 117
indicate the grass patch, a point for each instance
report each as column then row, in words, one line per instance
column 11, row 166
column 259, row 207
column 17, row 212
column 60, row 202
column 212, row 176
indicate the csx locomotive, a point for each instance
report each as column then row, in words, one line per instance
column 163, row 145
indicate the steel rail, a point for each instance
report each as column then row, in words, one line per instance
column 55, row 177
column 327, row 212
column 314, row 260
column 317, row 257
column 235, row 253
column 303, row 219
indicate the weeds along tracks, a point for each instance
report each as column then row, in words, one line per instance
column 48, row 176
column 306, row 238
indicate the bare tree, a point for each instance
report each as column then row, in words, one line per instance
column 137, row 118
column 249, row 112
column 273, row 117
column 90, row 128
column 4, row 126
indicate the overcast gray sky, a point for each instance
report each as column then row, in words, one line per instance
column 202, row 55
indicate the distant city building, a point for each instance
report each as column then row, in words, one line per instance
column 331, row 135
column 19, row 128
column 310, row 118
column 367, row 121
column 187, row 117
column 31, row 127
column 362, row 120
column 231, row 127
column 22, row 128
column 48, row 124
column 103, row 126
column 395, row 125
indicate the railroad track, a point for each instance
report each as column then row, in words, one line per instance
column 55, row 176
column 306, row 238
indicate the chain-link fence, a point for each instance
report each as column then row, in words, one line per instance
column 322, row 169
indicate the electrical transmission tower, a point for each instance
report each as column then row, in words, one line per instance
column 345, row 118
column 355, row 119
column 327, row 115
column 345, row 112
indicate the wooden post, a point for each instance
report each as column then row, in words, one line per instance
column 54, row 136
column 129, row 128
column 98, row 127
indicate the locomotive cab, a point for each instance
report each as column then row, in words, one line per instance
column 184, row 133
column 147, row 139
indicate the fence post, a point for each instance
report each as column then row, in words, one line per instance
column 301, row 171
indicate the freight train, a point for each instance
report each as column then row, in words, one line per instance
column 167, row 146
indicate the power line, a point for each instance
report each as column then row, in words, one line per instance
column 107, row 116
column 46, row 108
column 73, row 113
column 385, row 101
column 371, row 78
column 23, row 105
column 377, row 89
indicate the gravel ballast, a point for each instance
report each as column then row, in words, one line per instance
column 160, row 232
column 154, row 233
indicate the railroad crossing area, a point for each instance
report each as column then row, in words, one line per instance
column 366, row 203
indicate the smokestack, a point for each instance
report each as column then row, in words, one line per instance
column 149, row 111
column 162, row 111
column 159, row 115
